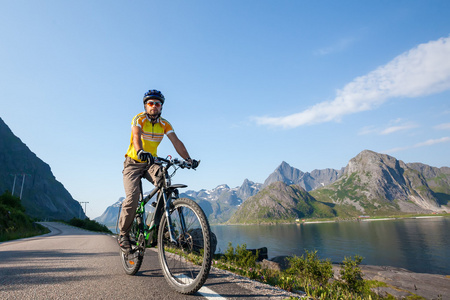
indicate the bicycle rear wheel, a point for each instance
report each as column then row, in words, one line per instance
column 132, row 261
column 186, row 263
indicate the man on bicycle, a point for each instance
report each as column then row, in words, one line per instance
column 147, row 132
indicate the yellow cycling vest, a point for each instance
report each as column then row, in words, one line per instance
column 152, row 134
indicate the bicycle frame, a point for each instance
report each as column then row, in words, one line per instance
column 166, row 192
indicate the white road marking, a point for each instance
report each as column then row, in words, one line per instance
column 209, row 294
column 204, row 291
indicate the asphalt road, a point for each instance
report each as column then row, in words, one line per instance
column 71, row 263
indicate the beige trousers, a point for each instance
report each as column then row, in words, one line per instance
column 133, row 172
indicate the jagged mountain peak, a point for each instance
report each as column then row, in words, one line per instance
column 370, row 160
column 247, row 182
column 284, row 165
column 377, row 163
column 222, row 186
column 285, row 173
column 287, row 169
column 309, row 181
column 374, row 181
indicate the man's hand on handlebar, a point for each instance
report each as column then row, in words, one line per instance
column 146, row 156
column 193, row 163
column 188, row 163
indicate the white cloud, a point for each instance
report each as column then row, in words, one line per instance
column 402, row 127
column 442, row 126
column 422, row 70
column 433, row 142
column 418, row 145
column 395, row 126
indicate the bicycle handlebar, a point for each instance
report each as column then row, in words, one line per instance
column 173, row 161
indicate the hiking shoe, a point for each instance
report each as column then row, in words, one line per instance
column 124, row 243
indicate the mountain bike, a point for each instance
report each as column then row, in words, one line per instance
column 179, row 229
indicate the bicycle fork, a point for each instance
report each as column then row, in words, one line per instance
column 167, row 205
column 169, row 219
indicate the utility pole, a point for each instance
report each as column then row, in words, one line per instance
column 84, row 207
column 23, row 182
column 14, row 183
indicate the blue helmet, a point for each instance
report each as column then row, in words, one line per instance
column 154, row 94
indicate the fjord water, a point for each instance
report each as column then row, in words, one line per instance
column 419, row 245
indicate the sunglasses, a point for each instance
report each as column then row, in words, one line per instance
column 154, row 103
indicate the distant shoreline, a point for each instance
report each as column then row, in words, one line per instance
column 338, row 220
column 377, row 219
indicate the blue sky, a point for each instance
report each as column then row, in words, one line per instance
column 248, row 84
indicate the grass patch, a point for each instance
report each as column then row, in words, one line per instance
column 88, row 224
column 14, row 222
column 307, row 273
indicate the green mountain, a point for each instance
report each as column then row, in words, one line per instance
column 379, row 184
column 281, row 202
column 371, row 184
column 438, row 180
column 42, row 195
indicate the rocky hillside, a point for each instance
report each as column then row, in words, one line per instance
column 281, row 202
column 375, row 183
column 309, row 181
column 438, row 179
column 43, row 196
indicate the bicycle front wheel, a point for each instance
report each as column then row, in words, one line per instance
column 186, row 261
column 132, row 261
